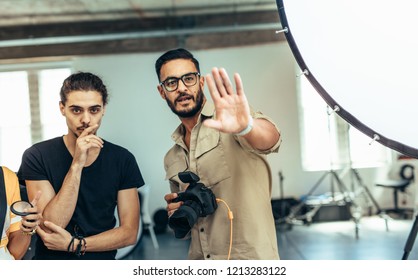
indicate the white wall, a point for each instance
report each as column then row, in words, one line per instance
column 138, row 119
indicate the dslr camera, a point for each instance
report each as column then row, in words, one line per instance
column 199, row 201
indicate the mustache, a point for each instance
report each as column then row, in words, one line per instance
column 183, row 94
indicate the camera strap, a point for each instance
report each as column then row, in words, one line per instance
column 3, row 202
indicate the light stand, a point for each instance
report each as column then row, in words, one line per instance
column 362, row 190
column 295, row 218
column 348, row 197
column 365, row 190
column 411, row 239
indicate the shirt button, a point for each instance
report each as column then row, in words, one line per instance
column 202, row 230
column 207, row 256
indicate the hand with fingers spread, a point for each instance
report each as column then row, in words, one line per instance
column 232, row 109
column 30, row 222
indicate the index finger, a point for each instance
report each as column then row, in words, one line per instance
column 89, row 130
column 34, row 202
column 40, row 232
column 170, row 196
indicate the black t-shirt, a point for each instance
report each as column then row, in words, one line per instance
column 114, row 169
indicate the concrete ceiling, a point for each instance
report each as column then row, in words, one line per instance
column 50, row 28
column 20, row 12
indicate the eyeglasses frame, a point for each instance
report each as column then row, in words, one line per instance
column 197, row 74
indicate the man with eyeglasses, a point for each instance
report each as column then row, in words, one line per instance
column 224, row 142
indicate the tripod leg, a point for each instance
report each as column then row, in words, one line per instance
column 372, row 199
column 411, row 239
column 355, row 215
column 296, row 209
column 344, row 190
column 379, row 210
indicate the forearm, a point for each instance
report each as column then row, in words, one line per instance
column 263, row 136
column 112, row 239
column 18, row 244
column 61, row 207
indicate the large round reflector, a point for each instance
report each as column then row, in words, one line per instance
column 362, row 58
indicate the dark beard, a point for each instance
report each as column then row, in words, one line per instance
column 190, row 112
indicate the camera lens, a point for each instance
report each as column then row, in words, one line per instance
column 198, row 201
column 184, row 218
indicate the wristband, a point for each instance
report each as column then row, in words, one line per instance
column 247, row 129
column 70, row 247
column 77, row 249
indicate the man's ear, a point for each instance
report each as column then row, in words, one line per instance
column 62, row 107
column 202, row 81
column 161, row 91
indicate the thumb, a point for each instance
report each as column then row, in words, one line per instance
column 40, row 232
column 211, row 123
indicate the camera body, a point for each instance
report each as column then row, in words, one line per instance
column 198, row 201
column 197, row 192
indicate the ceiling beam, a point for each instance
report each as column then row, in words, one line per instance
column 145, row 35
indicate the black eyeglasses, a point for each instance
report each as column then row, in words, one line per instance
column 172, row 83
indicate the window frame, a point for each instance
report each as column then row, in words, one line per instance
column 345, row 151
column 36, row 126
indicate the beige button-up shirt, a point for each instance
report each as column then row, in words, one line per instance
column 237, row 174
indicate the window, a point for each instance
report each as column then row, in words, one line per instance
column 29, row 110
column 52, row 122
column 328, row 141
column 15, row 120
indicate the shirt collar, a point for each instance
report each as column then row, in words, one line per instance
column 208, row 111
